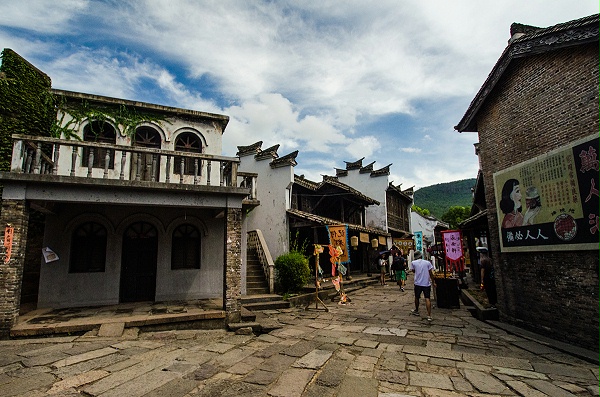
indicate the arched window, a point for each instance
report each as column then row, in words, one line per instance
column 187, row 142
column 103, row 132
column 185, row 247
column 88, row 248
column 149, row 164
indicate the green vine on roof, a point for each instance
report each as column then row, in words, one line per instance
column 76, row 112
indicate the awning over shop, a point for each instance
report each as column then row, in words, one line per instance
column 400, row 233
column 323, row 221
column 475, row 221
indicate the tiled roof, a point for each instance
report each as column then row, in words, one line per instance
column 576, row 32
column 250, row 149
column 332, row 180
column 367, row 168
column 400, row 192
column 473, row 220
column 382, row 171
column 269, row 153
column 288, row 159
column 341, row 172
column 321, row 220
column 302, row 181
column 354, row 165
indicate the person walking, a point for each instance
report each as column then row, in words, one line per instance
column 399, row 267
column 423, row 270
column 383, row 261
column 488, row 279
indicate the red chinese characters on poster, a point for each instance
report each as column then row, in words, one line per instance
column 454, row 250
column 551, row 201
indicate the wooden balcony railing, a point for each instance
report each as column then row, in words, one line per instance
column 41, row 155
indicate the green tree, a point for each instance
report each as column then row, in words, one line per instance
column 455, row 215
column 421, row 211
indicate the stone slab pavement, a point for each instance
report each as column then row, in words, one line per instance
column 371, row 346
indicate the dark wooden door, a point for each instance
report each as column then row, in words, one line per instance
column 138, row 263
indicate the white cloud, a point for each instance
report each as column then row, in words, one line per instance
column 41, row 15
column 305, row 75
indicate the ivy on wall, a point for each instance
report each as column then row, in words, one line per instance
column 28, row 106
column 26, row 103
column 73, row 112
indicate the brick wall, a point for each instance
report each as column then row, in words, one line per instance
column 16, row 214
column 542, row 103
column 233, row 268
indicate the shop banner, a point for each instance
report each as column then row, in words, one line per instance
column 453, row 249
column 404, row 244
column 338, row 237
column 550, row 203
column 419, row 241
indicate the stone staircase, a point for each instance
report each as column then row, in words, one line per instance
column 256, row 283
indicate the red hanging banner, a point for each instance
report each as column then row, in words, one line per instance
column 8, row 240
column 455, row 259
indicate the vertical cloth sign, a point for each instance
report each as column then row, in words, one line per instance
column 453, row 249
column 419, row 241
column 8, row 242
column 338, row 237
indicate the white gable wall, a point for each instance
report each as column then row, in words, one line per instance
column 373, row 187
column 273, row 190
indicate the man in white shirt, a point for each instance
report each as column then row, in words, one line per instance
column 423, row 279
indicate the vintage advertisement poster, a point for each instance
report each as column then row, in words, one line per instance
column 338, row 237
column 404, row 244
column 550, row 203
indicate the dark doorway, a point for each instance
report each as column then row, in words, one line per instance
column 145, row 166
column 138, row 263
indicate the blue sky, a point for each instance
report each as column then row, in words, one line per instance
column 336, row 80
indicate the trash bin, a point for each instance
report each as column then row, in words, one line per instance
column 447, row 293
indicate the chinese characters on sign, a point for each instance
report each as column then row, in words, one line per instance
column 338, row 237
column 550, row 202
column 419, row 241
column 454, row 250
column 8, row 242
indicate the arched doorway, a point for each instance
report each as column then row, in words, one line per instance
column 138, row 263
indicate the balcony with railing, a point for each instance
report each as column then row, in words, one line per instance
column 131, row 165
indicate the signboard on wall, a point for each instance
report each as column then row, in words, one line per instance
column 419, row 241
column 404, row 244
column 550, row 203
column 364, row 238
column 338, row 237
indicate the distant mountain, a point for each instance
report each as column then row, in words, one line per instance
column 439, row 198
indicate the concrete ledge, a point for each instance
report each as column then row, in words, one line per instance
column 477, row 309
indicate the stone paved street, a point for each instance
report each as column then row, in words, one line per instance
column 369, row 347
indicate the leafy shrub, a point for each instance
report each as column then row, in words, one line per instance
column 293, row 271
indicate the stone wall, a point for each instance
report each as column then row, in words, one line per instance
column 16, row 214
column 233, row 268
column 541, row 103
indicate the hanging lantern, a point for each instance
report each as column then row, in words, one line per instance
column 354, row 242
column 375, row 243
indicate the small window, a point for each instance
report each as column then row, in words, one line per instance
column 88, row 248
column 187, row 142
column 101, row 132
column 185, row 248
